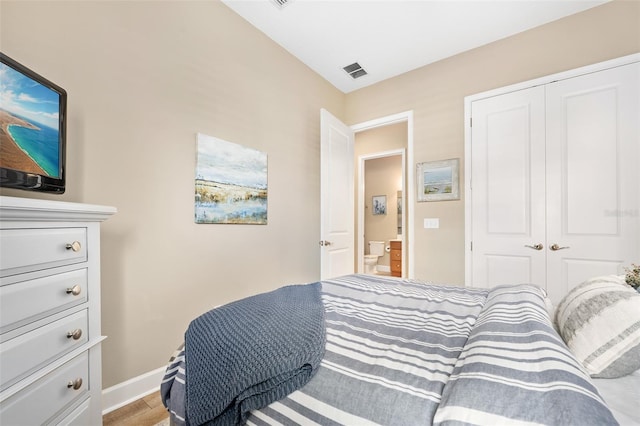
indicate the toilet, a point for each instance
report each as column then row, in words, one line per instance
column 376, row 249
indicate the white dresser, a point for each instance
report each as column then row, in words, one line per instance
column 50, row 359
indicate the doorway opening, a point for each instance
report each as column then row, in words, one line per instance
column 386, row 138
column 382, row 179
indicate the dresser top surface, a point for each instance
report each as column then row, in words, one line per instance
column 21, row 209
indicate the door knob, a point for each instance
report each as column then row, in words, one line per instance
column 535, row 247
column 325, row 243
column 556, row 247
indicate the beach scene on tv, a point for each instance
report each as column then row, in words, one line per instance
column 29, row 124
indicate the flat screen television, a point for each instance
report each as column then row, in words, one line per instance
column 32, row 129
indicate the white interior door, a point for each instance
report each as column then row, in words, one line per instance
column 593, row 153
column 337, row 197
column 508, row 189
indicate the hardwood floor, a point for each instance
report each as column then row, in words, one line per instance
column 146, row 411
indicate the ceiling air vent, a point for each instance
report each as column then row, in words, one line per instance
column 280, row 4
column 355, row 70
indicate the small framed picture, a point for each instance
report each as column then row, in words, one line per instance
column 438, row 180
column 379, row 204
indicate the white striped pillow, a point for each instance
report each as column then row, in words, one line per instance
column 599, row 320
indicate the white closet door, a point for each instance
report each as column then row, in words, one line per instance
column 593, row 182
column 508, row 189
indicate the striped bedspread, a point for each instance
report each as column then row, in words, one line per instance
column 390, row 350
column 403, row 352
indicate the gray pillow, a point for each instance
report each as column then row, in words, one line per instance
column 599, row 320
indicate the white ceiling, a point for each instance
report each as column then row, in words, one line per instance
column 391, row 37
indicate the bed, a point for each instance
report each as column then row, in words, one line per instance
column 381, row 350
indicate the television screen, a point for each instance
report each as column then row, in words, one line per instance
column 32, row 129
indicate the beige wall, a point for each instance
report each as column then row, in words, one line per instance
column 436, row 94
column 144, row 77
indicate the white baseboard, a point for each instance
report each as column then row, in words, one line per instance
column 383, row 268
column 126, row 392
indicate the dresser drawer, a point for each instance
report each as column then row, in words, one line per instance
column 24, row 354
column 32, row 249
column 48, row 396
column 81, row 416
column 22, row 302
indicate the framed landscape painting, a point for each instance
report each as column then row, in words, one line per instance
column 438, row 180
column 231, row 183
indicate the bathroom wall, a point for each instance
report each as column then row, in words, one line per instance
column 383, row 177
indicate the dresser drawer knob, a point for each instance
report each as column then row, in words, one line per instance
column 75, row 334
column 75, row 246
column 75, row 384
column 75, row 290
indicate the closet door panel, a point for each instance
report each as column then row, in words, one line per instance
column 592, row 176
column 508, row 171
column 589, row 154
column 507, row 269
column 579, row 270
column 508, row 187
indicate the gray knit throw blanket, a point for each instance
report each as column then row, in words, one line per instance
column 247, row 354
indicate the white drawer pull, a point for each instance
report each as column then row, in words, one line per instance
column 75, row 246
column 75, row 384
column 75, row 290
column 75, row 334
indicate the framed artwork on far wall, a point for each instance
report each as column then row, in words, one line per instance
column 379, row 203
column 438, row 180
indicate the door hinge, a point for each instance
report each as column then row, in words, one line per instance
column 471, row 245
column 470, row 121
